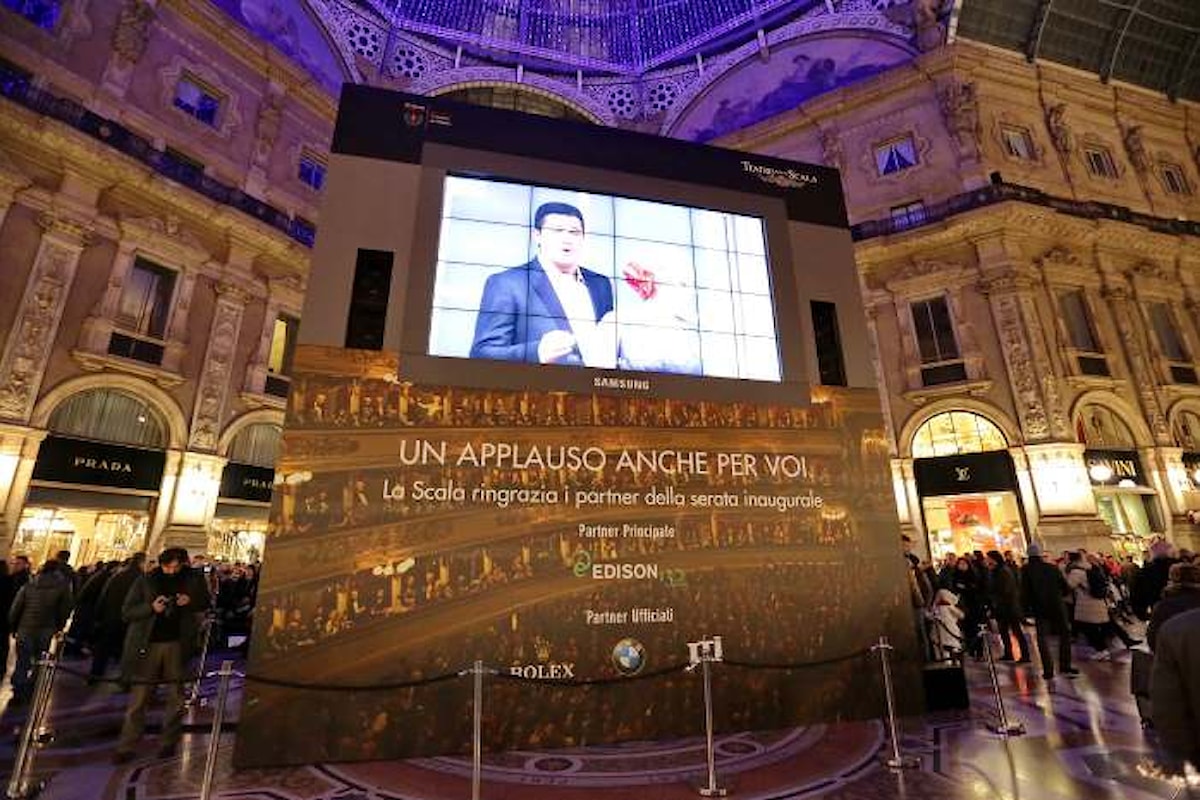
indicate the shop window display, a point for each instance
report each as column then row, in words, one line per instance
column 965, row 523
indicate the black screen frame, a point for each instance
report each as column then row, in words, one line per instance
column 441, row 161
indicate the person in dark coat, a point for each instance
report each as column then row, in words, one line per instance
column 39, row 611
column 21, row 572
column 109, row 634
column 1148, row 588
column 163, row 610
column 1175, row 690
column 1004, row 596
column 963, row 583
column 7, row 592
column 1044, row 589
column 1182, row 594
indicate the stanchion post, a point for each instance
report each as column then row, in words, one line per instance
column 214, row 737
column 193, row 692
column 1002, row 726
column 477, row 671
column 477, row 732
column 702, row 654
column 896, row 761
column 19, row 785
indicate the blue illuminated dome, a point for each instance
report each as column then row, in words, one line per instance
column 613, row 36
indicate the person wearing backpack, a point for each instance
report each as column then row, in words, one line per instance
column 1089, row 583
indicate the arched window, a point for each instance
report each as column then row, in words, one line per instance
column 1187, row 430
column 1097, row 426
column 516, row 99
column 109, row 415
column 257, row 445
column 953, row 433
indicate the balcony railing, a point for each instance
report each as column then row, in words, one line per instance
column 16, row 86
column 1004, row 192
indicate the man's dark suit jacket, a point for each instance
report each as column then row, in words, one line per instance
column 519, row 306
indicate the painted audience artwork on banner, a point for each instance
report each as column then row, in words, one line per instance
column 574, row 543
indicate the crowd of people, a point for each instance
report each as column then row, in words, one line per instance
column 146, row 616
column 87, row 604
column 1078, row 595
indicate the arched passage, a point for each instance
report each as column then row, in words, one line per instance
column 966, row 482
column 99, row 471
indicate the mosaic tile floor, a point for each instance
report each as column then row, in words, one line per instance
column 1083, row 740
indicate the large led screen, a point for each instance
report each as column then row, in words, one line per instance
column 543, row 275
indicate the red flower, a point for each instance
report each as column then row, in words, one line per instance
column 641, row 279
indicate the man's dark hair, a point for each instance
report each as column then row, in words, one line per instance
column 51, row 567
column 173, row 555
column 138, row 559
column 546, row 209
column 63, row 556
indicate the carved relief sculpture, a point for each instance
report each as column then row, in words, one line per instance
column 1060, row 131
column 218, row 362
column 925, row 23
column 132, row 31
column 129, row 39
column 1135, row 147
column 1021, row 369
column 959, row 103
column 266, row 130
column 1124, row 313
column 32, row 335
column 832, row 154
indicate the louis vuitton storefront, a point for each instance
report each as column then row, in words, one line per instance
column 967, row 486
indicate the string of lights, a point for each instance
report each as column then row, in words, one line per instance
column 610, row 35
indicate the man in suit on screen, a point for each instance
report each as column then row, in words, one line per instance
column 547, row 311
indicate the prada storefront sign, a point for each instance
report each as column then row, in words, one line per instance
column 1112, row 467
column 246, row 482
column 963, row 474
column 65, row 460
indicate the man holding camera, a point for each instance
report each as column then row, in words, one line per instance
column 163, row 610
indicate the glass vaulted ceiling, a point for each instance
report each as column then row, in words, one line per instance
column 614, row 36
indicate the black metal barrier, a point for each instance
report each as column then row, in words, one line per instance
column 701, row 655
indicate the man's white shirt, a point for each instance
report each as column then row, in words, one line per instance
column 576, row 302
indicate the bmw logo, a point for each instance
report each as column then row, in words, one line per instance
column 629, row 656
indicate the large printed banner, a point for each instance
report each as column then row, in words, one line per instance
column 563, row 538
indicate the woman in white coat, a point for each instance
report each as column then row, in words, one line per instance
column 1092, row 613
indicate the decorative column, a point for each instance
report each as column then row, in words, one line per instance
column 177, row 333
column 266, row 131
column 194, row 501
column 1137, row 355
column 1010, row 293
column 256, row 370
column 32, row 335
column 18, row 454
column 908, row 502
column 212, row 392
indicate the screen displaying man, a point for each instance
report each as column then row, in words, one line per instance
column 547, row 310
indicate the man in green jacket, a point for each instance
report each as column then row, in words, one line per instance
column 163, row 610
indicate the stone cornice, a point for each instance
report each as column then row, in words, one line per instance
column 53, row 143
column 1024, row 222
